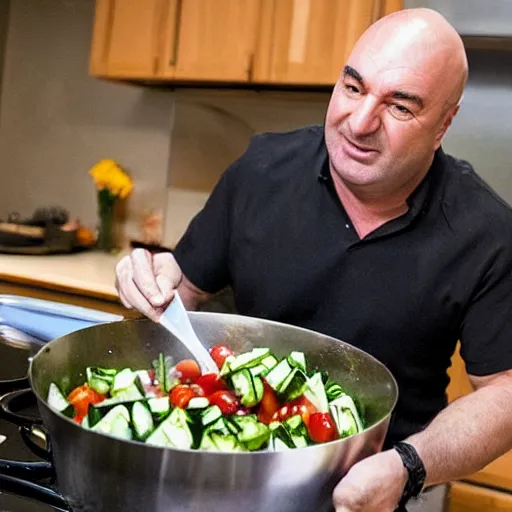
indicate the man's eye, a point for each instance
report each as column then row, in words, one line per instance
column 401, row 112
column 351, row 89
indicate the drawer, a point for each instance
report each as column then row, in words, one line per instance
column 465, row 497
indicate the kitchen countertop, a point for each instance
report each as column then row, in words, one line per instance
column 90, row 273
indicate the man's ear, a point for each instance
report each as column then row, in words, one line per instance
column 446, row 124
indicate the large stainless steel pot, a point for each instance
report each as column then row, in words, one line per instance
column 96, row 472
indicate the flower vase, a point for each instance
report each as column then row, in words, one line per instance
column 106, row 211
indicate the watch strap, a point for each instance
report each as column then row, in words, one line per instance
column 415, row 470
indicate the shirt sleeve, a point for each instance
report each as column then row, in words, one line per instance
column 202, row 252
column 486, row 331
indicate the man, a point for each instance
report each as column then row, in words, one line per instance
column 368, row 232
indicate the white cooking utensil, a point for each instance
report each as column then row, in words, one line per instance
column 175, row 320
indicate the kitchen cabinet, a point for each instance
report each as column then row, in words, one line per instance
column 126, row 38
column 181, row 40
column 301, row 42
column 209, row 40
column 312, row 38
column 464, row 495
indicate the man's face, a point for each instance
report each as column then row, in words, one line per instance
column 387, row 116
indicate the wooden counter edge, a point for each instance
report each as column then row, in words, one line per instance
column 59, row 287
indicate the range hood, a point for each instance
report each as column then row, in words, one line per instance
column 473, row 18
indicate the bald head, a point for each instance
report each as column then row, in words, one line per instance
column 423, row 37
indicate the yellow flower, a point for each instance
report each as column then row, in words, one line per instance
column 108, row 175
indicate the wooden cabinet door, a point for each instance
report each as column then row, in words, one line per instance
column 126, row 38
column 312, row 38
column 473, row 498
column 210, row 40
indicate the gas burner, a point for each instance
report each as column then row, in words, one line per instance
column 24, row 486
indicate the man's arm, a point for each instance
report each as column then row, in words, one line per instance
column 463, row 438
column 470, row 433
column 191, row 296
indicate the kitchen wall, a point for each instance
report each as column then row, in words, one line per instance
column 4, row 16
column 56, row 121
column 482, row 130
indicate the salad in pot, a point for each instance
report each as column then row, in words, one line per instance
column 257, row 402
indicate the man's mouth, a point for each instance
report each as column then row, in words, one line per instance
column 357, row 151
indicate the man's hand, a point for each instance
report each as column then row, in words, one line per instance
column 375, row 484
column 147, row 282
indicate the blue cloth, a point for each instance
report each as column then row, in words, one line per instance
column 48, row 320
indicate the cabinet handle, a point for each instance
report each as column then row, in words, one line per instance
column 177, row 26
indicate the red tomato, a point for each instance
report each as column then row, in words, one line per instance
column 81, row 397
column 189, row 370
column 219, row 354
column 322, row 428
column 300, row 406
column 269, row 405
column 225, row 400
column 210, row 382
column 78, row 419
column 180, row 395
column 153, row 391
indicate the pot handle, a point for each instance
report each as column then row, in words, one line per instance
column 6, row 386
column 32, row 471
column 16, row 400
column 28, row 434
column 42, row 493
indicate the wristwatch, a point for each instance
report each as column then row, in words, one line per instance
column 415, row 470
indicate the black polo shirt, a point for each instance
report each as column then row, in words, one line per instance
column 276, row 232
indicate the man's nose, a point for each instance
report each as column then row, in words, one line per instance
column 365, row 119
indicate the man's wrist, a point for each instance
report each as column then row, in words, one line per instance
column 416, row 473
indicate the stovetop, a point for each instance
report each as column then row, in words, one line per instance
column 14, row 364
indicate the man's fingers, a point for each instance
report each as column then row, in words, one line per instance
column 144, row 277
column 124, row 300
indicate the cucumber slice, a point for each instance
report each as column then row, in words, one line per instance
column 142, row 420
column 210, row 415
column 198, row 402
column 123, row 380
column 297, row 360
column 278, row 374
column 346, row 402
column 111, row 424
column 249, row 359
column 294, row 385
column 249, row 388
column 173, row 432
column 315, row 393
column 333, row 390
column 99, row 385
column 254, row 434
column 57, row 401
column 159, row 407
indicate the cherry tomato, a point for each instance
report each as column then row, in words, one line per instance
column 210, row 382
column 189, row 370
column 81, row 397
column 225, row 400
column 269, row 405
column 322, row 428
column 180, row 395
column 153, row 391
column 300, row 406
column 219, row 354
column 78, row 419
